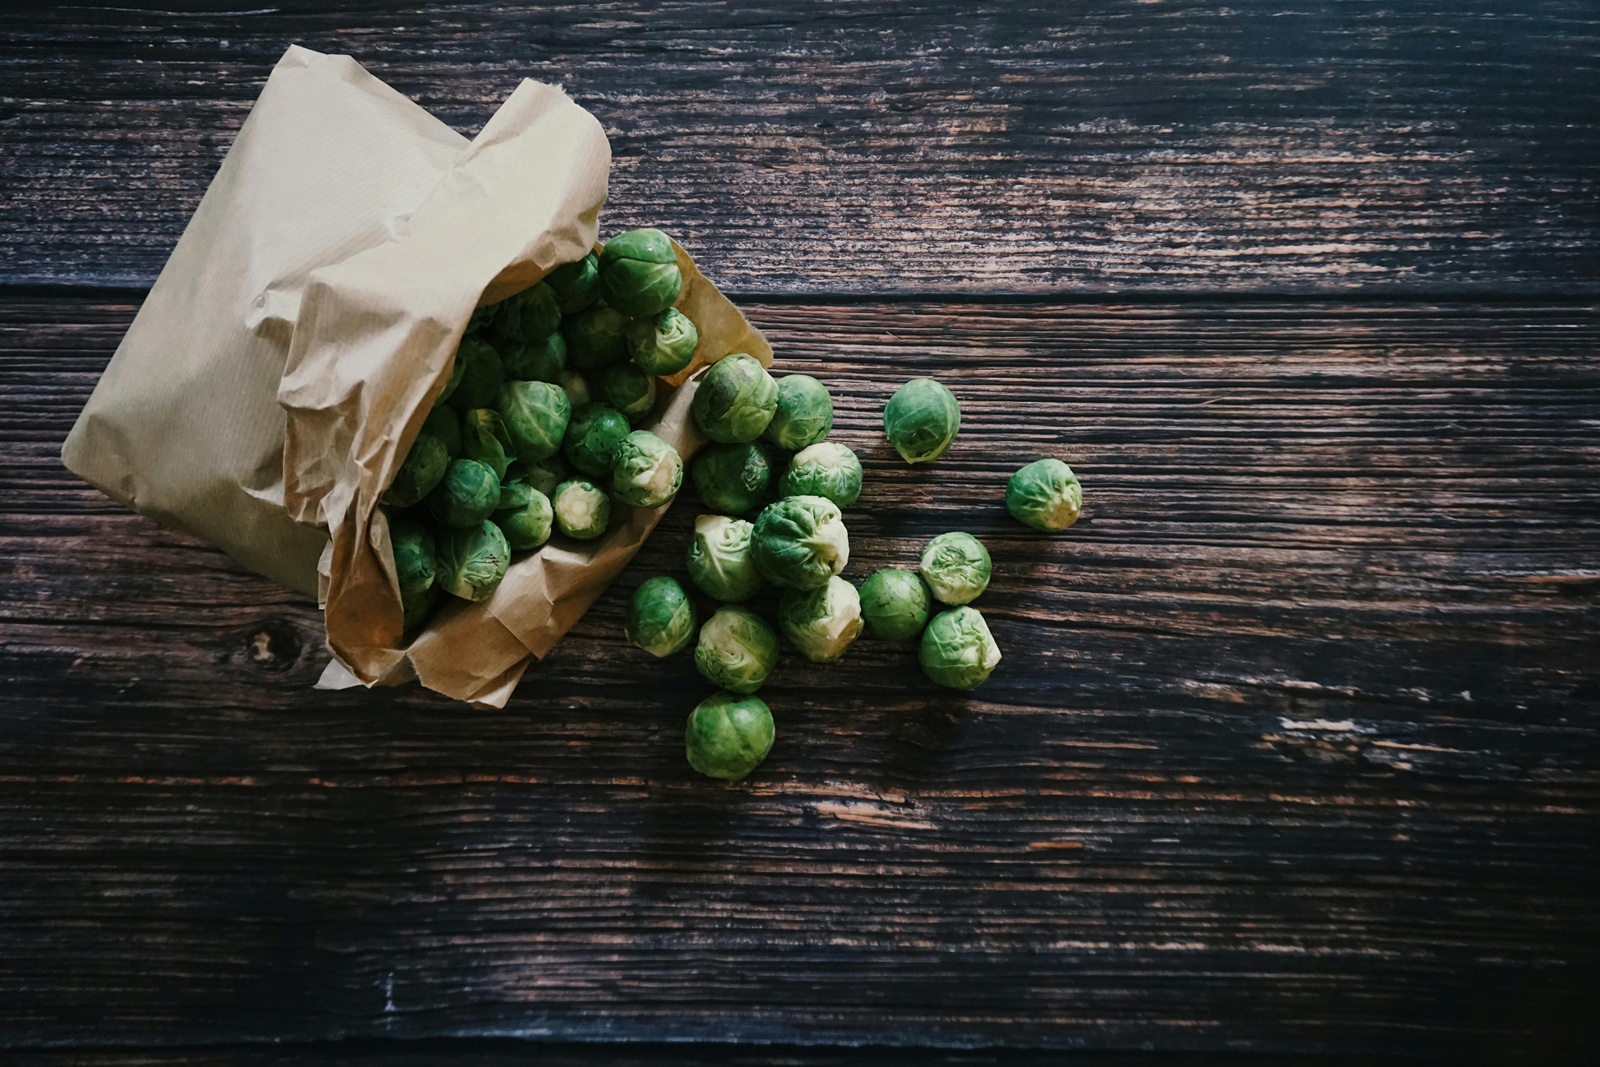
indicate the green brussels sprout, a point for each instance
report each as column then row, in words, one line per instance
column 728, row 736
column 472, row 560
column 1045, row 494
column 424, row 467
column 664, row 344
column 481, row 319
column 526, row 525
column 894, row 604
column 535, row 415
column 484, row 438
column 468, row 494
column 582, row 509
column 732, row 479
column 800, row 542
column 458, row 370
column 921, row 420
column 825, row 469
column 543, row 360
column 596, row 337
column 514, row 493
column 593, row 437
column 736, row 650
column 445, row 424
column 735, row 399
column 821, row 622
column 576, row 386
column 543, row 475
column 956, row 567
column 527, row 316
column 719, row 559
column 481, row 376
column 660, row 616
column 804, row 414
column 415, row 567
column 415, row 609
column 647, row 471
column 629, row 389
column 575, row 284
column 639, row 273
column 957, row 649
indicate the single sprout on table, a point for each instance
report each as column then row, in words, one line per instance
column 660, row 616
column 921, row 420
column 728, row 735
column 736, row 650
column 468, row 494
column 957, row 649
column 719, row 560
column 626, row 387
column 530, row 315
column 527, row 523
column 582, row 509
column 735, row 400
column 472, row 561
column 956, row 567
column 482, row 375
column 1045, row 495
column 415, row 566
column 535, row 416
column 424, row 467
column 593, row 437
column 800, row 542
column 663, row 344
column 821, row 622
column 804, row 414
column 647, row 471
column 732, row 479
column 894, row 604
column 639, row 273
column 596, row 337
column 445, row 424
column 825, row 469
column 484, row 438
column 543, row 360
column 576, row 284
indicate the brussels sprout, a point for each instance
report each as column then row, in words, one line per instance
column 628, row 389
column 894, row 604
column 593, row 437
column 576, row 386
column 647, row 470
column 582, row 509
column 543, row 360
column 664, row 344
column 736, row 650
column 957, row 649
column 543, row 475
column 481, row 376
column 514, row 493
column 527, row 525
column 481, row 319
column 728, row 736
column 821, row 622
column 800, row 542
column 415, row 609
column 527, row 316
column 827, row 469
column 575, row 284
column 735, row 399
column 956, row 567
column 423, row 468
column 472, row 560
column 445, row 424
column 415, row 565
column 921, row 420
column 639, row 273
column 1045, row 494
column 719, row 559
column 468, row 494
column 596, row 337
column 660, row 616
column 458, row 369
column 484, row 438
column 535, row 415
column 732, row 478
column 804, row 414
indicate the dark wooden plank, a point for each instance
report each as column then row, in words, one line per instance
column 1424, row 146
column 1294, row 747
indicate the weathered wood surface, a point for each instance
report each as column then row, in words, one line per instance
column 1427, row 146
column 1293, row 748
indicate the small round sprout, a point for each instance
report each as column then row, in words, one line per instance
column 481, row 376
column 582, row 509
column 415, row 566
column 804, row 414
column 647, row 471
column 736, row 650
column 735, row 400
column 1045, row 494
column 596, row 337
column 728, row 735
column 593, row 436
column 626, row 387
column 664, row 344
column 732, row 479
column 821, row 623
column 894, row 604
column 424, row 467
column 660, row 616
column 576, row 386
column 468, row 494
column 800, row 542
column 543, row 360
column 445, row 424
column 956, row 567
column 921, row 420
column 527, row 316
column 543, row 475
column 639, row 273
column 825, row 469
column 535, row 415
column 484, row 438
column 576, row 284
column 527, row 525
column 957, row 649
column 472, row 561
column 719, row 559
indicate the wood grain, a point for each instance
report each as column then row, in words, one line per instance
column 1293, row 749
column 1421, row 147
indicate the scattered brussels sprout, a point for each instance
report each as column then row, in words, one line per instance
column 736, row 650
column 626, row 387
column 660, row 616
column 956, row 567
column 415, row 609
column 543, row 360
column 527, row 524
column 735, row 399
column 543, row 475
column 481, row 376
column 825, row 469
column 576, row 386
column 957, row 649
column 664, row 344
column 575, row 284
column 732, row 479
column 804, row 414
column 921, row 420
column 719, row 559
column 596, row 337
column 458, row 369
column 468, row 494
column 1045, row 494
column 593, row 436
column 484, row 438
column 582, row 509
column 472, row 560
column 894, row 604
column 415, row 566
column 821, row 622
column 535, row 415
column 423, row 468
column 728, row 735
column 800, row 542
column 639, row 273
column 527, row 316
column 647, row 471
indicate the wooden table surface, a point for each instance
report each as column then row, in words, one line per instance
column 1293, row 751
